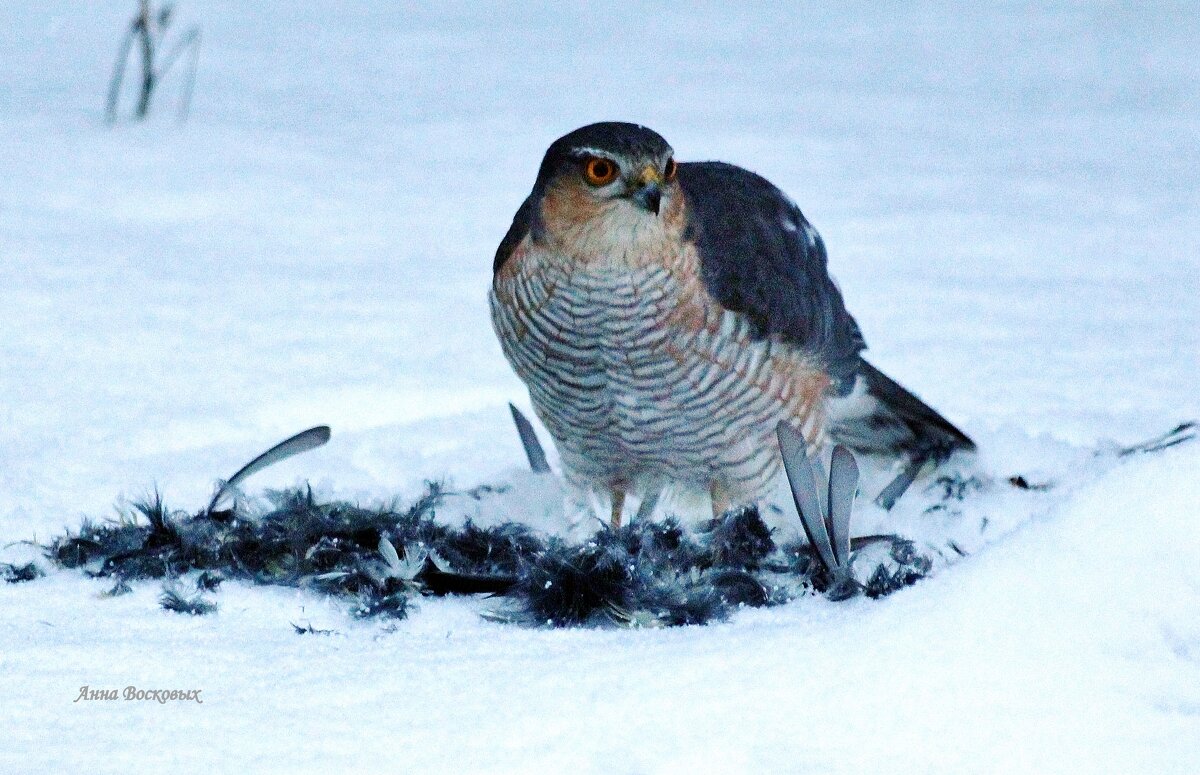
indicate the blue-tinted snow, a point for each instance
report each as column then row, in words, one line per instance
column 1011, row 200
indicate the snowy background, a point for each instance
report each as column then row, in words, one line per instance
column 1011, row 200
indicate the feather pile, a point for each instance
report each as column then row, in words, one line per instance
column 379, row 560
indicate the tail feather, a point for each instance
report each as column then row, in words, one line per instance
column 881, row 417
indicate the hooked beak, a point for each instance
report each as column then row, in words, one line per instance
column 649, row 197
column 649, row 193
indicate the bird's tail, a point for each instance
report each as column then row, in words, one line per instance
column 879, row 417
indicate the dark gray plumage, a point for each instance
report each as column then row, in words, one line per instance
column 761, row 257
column 525, row 222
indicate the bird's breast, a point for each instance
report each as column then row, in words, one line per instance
column 634, row 364
column 593, row 340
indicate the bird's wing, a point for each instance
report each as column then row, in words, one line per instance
column 761, row 258
column 525, row 223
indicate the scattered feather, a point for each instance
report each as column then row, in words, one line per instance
column 308, row 629
column 209, row 581
column 120, row 588
column 15, row 574
column 379, row 560
column 739, row 538
column 173, row 600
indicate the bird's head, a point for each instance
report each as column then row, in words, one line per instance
column 612, row 172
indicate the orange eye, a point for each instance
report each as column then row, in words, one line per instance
column 670, row 170
column 600, row 171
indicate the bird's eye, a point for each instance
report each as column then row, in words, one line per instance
column 600, row 171
column 670, row 170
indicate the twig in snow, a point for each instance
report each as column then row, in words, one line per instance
column 147, row 29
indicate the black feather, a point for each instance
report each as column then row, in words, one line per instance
column 174, row 600
column 571, row 585
column 739, row 587
column 209, row 581
column 739, row 539
column 496, row 550
column 15, row 574
column 643, row 574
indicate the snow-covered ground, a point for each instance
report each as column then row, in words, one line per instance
column 1011, row 198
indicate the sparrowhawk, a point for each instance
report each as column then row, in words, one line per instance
column 667, row 315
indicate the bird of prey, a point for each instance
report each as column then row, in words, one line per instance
column 666, row 316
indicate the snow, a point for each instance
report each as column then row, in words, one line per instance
column 1010, row 199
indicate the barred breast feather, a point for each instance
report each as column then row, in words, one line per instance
column 640, row 377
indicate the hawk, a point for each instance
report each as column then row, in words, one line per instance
column 666, row 315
